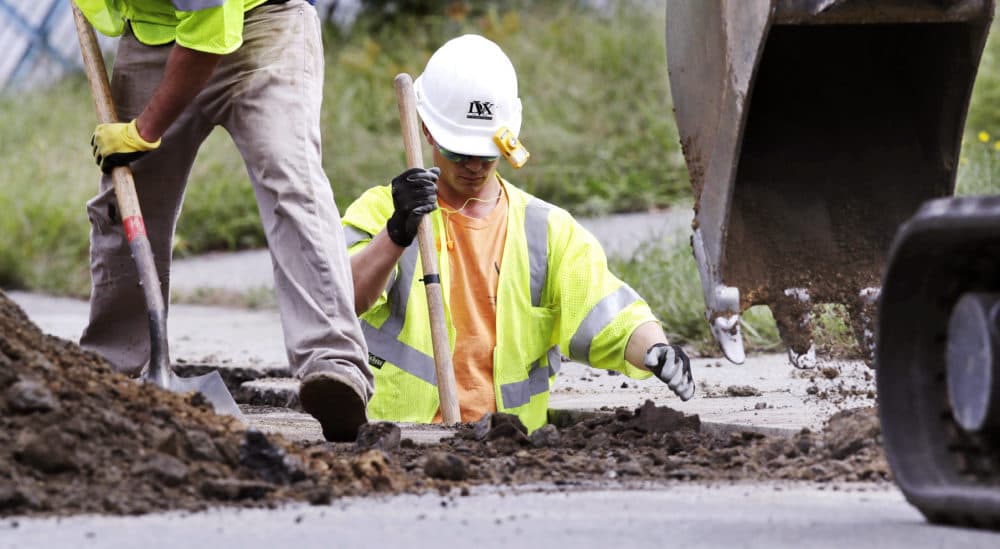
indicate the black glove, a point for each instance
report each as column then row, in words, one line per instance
column 673, row 367
column 414, row 195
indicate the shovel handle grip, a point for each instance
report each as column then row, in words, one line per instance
column 447, row 392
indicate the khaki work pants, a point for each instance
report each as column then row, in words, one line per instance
column 267, row 95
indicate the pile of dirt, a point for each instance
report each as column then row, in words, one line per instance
column 76, row 437
column 650, row 443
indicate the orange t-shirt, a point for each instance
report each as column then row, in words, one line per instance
column 474, row 253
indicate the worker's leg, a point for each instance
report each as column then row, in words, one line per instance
column 118, row 328
column 274, row 115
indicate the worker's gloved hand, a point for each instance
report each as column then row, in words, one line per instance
column 673, row 367
column 414, row 195
column 119, row 144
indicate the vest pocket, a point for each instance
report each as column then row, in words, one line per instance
column 534, row 338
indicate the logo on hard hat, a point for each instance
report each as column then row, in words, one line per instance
column 480, row 110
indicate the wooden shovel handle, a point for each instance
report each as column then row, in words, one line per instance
column 447, row 392
column 97, row 75
column 128, row 204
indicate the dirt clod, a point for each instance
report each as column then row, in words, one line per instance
column 28, row 396
column 48, row 451
column 446, row 466
column 500, row 426
column 849, row 431
column 269, row 461
column 546, row 435
column 742, row 391
column 651, row 418
column 380, row 435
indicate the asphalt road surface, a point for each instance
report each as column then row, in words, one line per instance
column 731, row 516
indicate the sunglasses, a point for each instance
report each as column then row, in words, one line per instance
column 462, row 158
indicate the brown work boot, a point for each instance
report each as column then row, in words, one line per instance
column 334, row 400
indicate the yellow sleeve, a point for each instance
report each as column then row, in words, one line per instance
column 598, row 311
column 362, row 220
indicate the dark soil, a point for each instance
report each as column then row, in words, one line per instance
column 658, row 443
column 76, row 437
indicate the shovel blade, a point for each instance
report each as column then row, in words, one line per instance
column 211, row 386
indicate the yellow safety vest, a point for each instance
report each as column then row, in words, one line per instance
column 211, row 26
column 555, row 295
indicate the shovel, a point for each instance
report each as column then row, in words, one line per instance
column 159, row 371
column 447, row 392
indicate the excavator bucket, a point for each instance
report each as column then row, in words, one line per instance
column 811, row 130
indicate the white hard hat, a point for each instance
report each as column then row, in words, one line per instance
column 467, row 92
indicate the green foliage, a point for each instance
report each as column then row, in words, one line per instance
column 597, row 122
column 48, row 177
column 979, row 167
column 984, row 114
column 596, row 147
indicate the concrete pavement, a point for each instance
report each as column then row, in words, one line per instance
column 620, row 234
column 671, row 515
column 764, row 394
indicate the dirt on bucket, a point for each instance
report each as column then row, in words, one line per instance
column 77, row 437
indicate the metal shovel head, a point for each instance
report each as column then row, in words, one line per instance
column 210, row 385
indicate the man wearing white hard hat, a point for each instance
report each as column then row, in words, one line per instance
column 523, row 282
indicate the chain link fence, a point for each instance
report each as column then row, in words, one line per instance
column 38, row 43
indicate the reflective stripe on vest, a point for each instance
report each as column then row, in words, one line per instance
column 519, row 393
column 598, row 318
column 353, row 235
column 421, row 365
column 195, row 5
column 386, row 338
column 536, row 233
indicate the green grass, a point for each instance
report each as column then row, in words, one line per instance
column 979, row 169
column 665, row 274
column 597, row 122
column 596, row 104
column 48, row 176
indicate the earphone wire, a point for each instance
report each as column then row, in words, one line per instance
column 446, row 213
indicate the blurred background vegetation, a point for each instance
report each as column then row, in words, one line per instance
column 597, row 121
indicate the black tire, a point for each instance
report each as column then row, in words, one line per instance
column 949, row 248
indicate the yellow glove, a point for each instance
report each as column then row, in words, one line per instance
column 119, row 144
